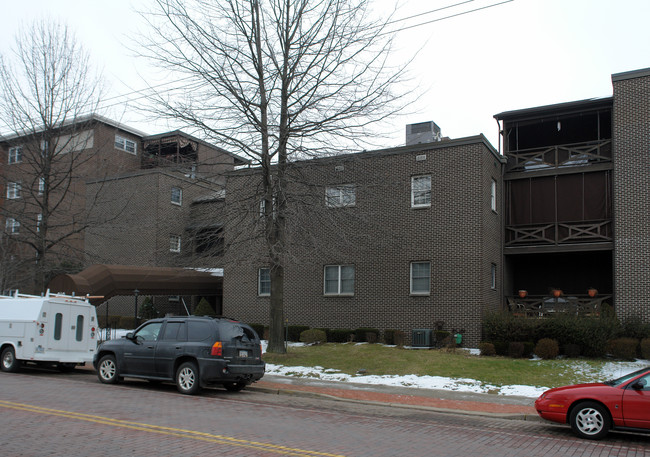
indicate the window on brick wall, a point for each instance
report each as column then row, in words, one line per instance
column 177, row 196
column 15, row 154
column 13, row 190
column 493, row 276
column 125, row 144
column 264, row 282
column 339, row 196
column 420, row 278
column 41, row 186
column 420, row 191
column 493, row 195
column 339, row 280
column 12, row 226
column 39, row 221
column 175, row 243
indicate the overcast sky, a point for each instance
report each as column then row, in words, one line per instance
column 519, row 54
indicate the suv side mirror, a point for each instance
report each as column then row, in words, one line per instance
column 129, row 336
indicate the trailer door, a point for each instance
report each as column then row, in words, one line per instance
column 69, row 327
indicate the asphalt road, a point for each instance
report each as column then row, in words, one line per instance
column 50, row 413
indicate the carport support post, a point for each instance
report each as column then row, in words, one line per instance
column 135, row 315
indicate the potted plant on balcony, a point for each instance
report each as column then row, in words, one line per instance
column 523, row 293
column 556, row 292
column 592, row 292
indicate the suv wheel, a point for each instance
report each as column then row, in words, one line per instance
column 187, row 378
column 107, row 370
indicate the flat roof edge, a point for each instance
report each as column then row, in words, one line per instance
column 643, row 72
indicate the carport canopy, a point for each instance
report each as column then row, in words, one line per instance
column 111, row 280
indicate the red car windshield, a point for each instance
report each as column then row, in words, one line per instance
column 627, row 377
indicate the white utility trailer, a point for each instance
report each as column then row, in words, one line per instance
column 53, row 329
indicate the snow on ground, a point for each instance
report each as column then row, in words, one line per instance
column 609, row 371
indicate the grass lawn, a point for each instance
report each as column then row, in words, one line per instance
column 378, row 359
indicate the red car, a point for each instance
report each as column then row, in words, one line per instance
column 593, row 410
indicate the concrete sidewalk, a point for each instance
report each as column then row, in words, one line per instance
column 506, row 407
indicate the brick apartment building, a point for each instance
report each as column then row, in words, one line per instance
column 132, row 195
column 403, row 238
column 565, row 208
column 427, row 235
column 576, row 203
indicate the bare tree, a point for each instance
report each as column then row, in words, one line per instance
column 47, row 93
column 275, row 81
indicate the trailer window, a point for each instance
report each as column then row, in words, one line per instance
column 80, row 327
column 58, row 323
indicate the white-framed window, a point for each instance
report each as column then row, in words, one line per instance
column 39, row 221
column 493, row 195
column 420, row 278
column 339, row 196
column 339, row 280
column 493, row 276
column 13, row 190
column 420, row 191
column 264, row 282
column 177, row 196
column 175, row 243
column 41, row 186
column 15, row 155
column 125, row 144
column 12, row 226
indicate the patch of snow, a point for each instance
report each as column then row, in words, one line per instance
column 608, row 371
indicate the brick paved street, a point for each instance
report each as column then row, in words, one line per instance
column 74, row 415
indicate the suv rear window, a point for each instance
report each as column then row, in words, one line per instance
column 199, row 331
column 231, row 330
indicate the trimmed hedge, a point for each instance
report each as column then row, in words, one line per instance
column 294, row 332
column 362, row 334
column 547, row 348
column 590, row 334
column 313, row 336
column 623, row 348
column 339, row 335
column 487, row 349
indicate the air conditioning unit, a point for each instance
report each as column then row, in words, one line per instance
column 422, row 338
column 424, row 132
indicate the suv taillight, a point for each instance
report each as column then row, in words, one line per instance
column 217, row 349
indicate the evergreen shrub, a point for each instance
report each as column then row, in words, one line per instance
column 487, row 349
column 547, row 348
column 313, row 336
column 294, row 332
column 623, row 348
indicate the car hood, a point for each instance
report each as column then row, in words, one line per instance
column 575, row 389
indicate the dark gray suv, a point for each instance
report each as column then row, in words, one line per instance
column 191, row 351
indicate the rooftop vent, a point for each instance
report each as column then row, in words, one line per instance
column 424, row 132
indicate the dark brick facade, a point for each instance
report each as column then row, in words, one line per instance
column 380, row 235
column 632, row 193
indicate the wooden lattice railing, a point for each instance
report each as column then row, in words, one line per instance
column 565, row 155
column 546, row 306
column 559, row 233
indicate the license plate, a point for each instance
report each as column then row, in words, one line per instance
column 243, row 353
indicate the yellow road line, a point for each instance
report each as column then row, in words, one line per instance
column 169, row 431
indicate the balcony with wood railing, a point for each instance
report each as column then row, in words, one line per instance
column 557, row 233
column 540, row 306
column 560, row 156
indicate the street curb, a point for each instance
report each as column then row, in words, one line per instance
column 301, row 393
